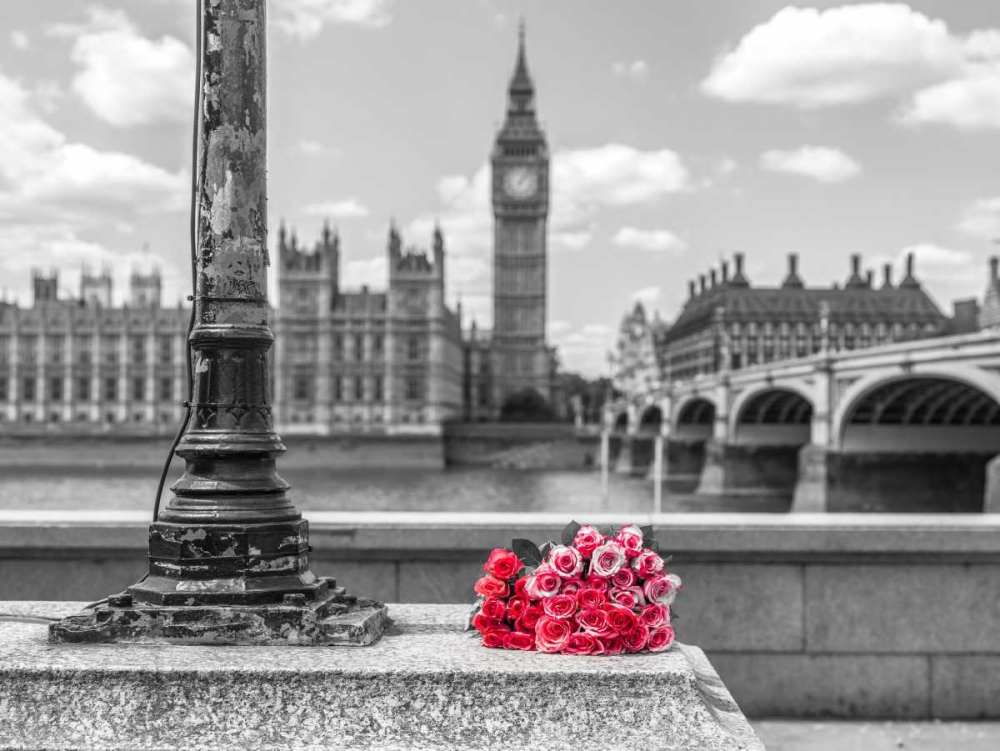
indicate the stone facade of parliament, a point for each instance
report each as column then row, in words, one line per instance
column 393, row 360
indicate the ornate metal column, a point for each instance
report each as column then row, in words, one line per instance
column 229, row 556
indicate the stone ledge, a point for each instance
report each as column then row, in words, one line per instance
column 426, row 684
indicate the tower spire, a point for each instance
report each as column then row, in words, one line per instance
column 521, row 90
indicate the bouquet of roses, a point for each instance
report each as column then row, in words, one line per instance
column 593, row 594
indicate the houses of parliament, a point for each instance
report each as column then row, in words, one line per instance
column 393, row 360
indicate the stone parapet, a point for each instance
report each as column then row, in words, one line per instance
column 427, row 684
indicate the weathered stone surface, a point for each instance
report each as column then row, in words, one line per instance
column 426, row 684
column 965, row 686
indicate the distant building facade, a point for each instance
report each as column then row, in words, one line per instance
column 84, row 363
column 364, row 360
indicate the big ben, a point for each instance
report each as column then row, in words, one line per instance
column 520, row 164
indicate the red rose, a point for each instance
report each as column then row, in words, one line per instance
column 529, row 618
column 627, row 597
column 595, row 622
column 502, row 564
column 482, row 624
column 607, row 559
column 495, row 637
column 566, row 561
column 571, row 586
column 543, row 583
column 490, row 586
column 624, row 577
column 551, row 634
column 587, row 540
column 560, row 606
column 519, row 640
column 648, row 564
column 582, row 643
column 519, row 587
column 660, row 639
column 630, row 539
column 516, row 607
column 621, row 619
column 636, row 639
column 655, row 616
column 662, row 590
column 590, row 598
column 593, row 581
column 493, row 608
column 613, row 645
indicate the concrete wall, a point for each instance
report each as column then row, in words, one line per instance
column 523, row 446
column 731, row 467
column 771, row 435
column 804, row 616
column 926, row 438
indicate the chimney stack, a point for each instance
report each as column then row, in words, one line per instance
column 725, row 272
column 711, row 276
column 887, row 276
column 994, row 268
column 793, row 280
column 691, row 288
column 739, row 280
column 855, row 281
column 909, row 281
column 870, row 278
column 701, row 283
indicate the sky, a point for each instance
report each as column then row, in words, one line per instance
column 680, row 133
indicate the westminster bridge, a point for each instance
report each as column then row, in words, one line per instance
column 909, row 426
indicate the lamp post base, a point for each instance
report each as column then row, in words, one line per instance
column 339, row 619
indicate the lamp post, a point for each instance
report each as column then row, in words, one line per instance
column 228, row 557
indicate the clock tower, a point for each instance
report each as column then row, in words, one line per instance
column 520, row 166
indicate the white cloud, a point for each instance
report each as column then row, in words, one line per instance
column 587, row 346
column 369, row 271
column 846, row 55
column 821, row 163
column 617, row 175
column 650, row 240
column 947, row 273
column 20, row 40
column 310, row 147
column 647, row 295
column 349, row 208
column 971, row 102
column 307, row 18
column 637, row 70
column 981, row 218
column 123, row 77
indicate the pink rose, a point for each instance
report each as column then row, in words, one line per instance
column 595, row 622
column 660, row 639
column 590, row 598
column 516, row 607
column 494, row 638
column 482, row 624
column 624, row 577
column 647, row 564
column 565, row 561
column 560, row 606
column 613, row 645
column 627, row 597
column 571, row 586
column 607, row 559
column 502, row 564
column 635, row 640
column 630, row 539
column 490, row 586
column 519, row 640
column 587, row 540
column 596, row 582
column 655, row 616
column 493, row 608
column 543, row 583
column 529, row 618
column 622, row 620
column 551, row 634
column 582, row 643
column 662, row 590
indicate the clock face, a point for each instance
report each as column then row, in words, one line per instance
column 520, row 182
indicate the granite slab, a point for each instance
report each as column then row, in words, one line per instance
column 426, row 685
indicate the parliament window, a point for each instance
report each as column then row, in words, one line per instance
column 338, row 389
column 300, row 388
column 4, row 349
column 56, row 389
column 166, row 389
column 4, row 390
column 82, row 349
column 413, row 348
column 138, row 350
column 379, row 388
column 109, row 350
column 82, row 389
column 359, row 347
column 55, row 346
column 414, row 389
column 29, row 390
column 111, row 389
column 377, row 345
column 29, row 349
column 359, row 388
column 166, row 349
column 138, row 389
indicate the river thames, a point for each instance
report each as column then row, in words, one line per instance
column 373, row 489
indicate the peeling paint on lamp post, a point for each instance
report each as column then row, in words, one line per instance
column 228, row 556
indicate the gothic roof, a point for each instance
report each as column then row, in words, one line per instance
column 775, row 304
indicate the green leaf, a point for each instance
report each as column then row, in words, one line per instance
column 667, row 559
column 652, row 543
column 473, row 613
column 647, row 532
column 527, row 551
column 569, row 532
column 546, row 548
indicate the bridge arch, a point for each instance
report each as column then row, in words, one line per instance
column 694, row 418
column 772, row 416
column 651, row 420
column 620, row 424
column 927, row 412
